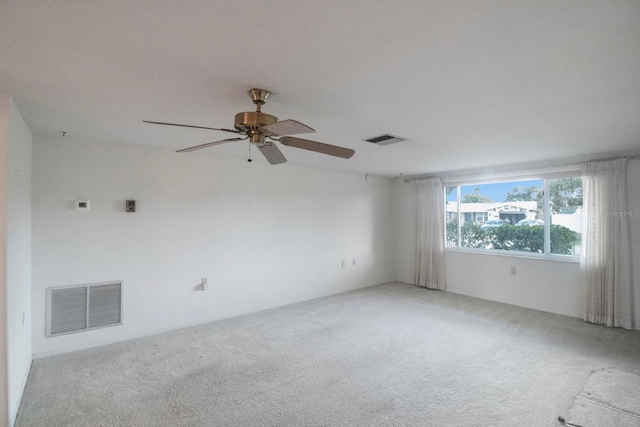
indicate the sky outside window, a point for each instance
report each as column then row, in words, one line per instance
column 497, row 191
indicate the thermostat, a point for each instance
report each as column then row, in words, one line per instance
column 83, row 205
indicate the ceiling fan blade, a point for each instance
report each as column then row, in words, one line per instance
column 286, row 127
column 318, row 147
column 209, row 144
column 272, row 153
column 189, row 126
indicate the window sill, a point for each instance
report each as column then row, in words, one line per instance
column 575, row 259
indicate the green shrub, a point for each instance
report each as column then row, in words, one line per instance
column 562, row 239
column 518, row 238
column 511, row 237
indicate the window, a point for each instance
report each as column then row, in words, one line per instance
column 517, row 216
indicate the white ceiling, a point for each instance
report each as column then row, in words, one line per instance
column 468, row 84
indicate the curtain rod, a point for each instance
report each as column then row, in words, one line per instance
column 525, row 168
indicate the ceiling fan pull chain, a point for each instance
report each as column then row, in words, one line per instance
column 249, row 159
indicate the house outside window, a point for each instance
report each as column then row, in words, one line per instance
column 516, row 216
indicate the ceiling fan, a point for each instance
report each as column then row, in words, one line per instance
column 262, row 129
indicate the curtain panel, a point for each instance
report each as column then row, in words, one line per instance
column 429, row 263
column 606, row 256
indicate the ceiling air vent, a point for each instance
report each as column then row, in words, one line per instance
column 385, row 139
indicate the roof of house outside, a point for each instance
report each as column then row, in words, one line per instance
column 498, row 207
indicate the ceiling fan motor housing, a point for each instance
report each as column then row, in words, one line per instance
column 250, row 122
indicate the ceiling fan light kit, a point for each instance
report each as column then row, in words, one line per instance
column 260, row 128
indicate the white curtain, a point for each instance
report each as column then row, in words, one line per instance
column 606, row 255
column 429, row 233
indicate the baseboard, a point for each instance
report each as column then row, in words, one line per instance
column 400, row 282
column 100, row 343
column 403, row 283
column 14, row 413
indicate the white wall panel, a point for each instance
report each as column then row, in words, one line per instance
column 542, row 284
column 263, row 235
column 16, row 139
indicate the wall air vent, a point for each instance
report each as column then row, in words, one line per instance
column 385, row 139
column 79, row 308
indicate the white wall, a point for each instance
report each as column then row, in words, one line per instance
column 18, row 257
column 15, row 257
column 552, row 286
column 5, row 108
column 547, row 285
column 263, row 235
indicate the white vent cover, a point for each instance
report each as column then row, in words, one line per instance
column 385, row 139
column 78, row 308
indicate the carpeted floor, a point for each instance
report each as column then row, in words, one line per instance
column 389, row 355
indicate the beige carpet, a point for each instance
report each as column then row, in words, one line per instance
column 390, row 355
column 610, row 398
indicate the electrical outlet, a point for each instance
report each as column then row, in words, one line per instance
column 344, row 263
column 204, row 284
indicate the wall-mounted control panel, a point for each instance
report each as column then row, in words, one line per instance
column 130, row 206
column 83, row 205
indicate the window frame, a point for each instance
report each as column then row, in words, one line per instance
column 546, row 254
